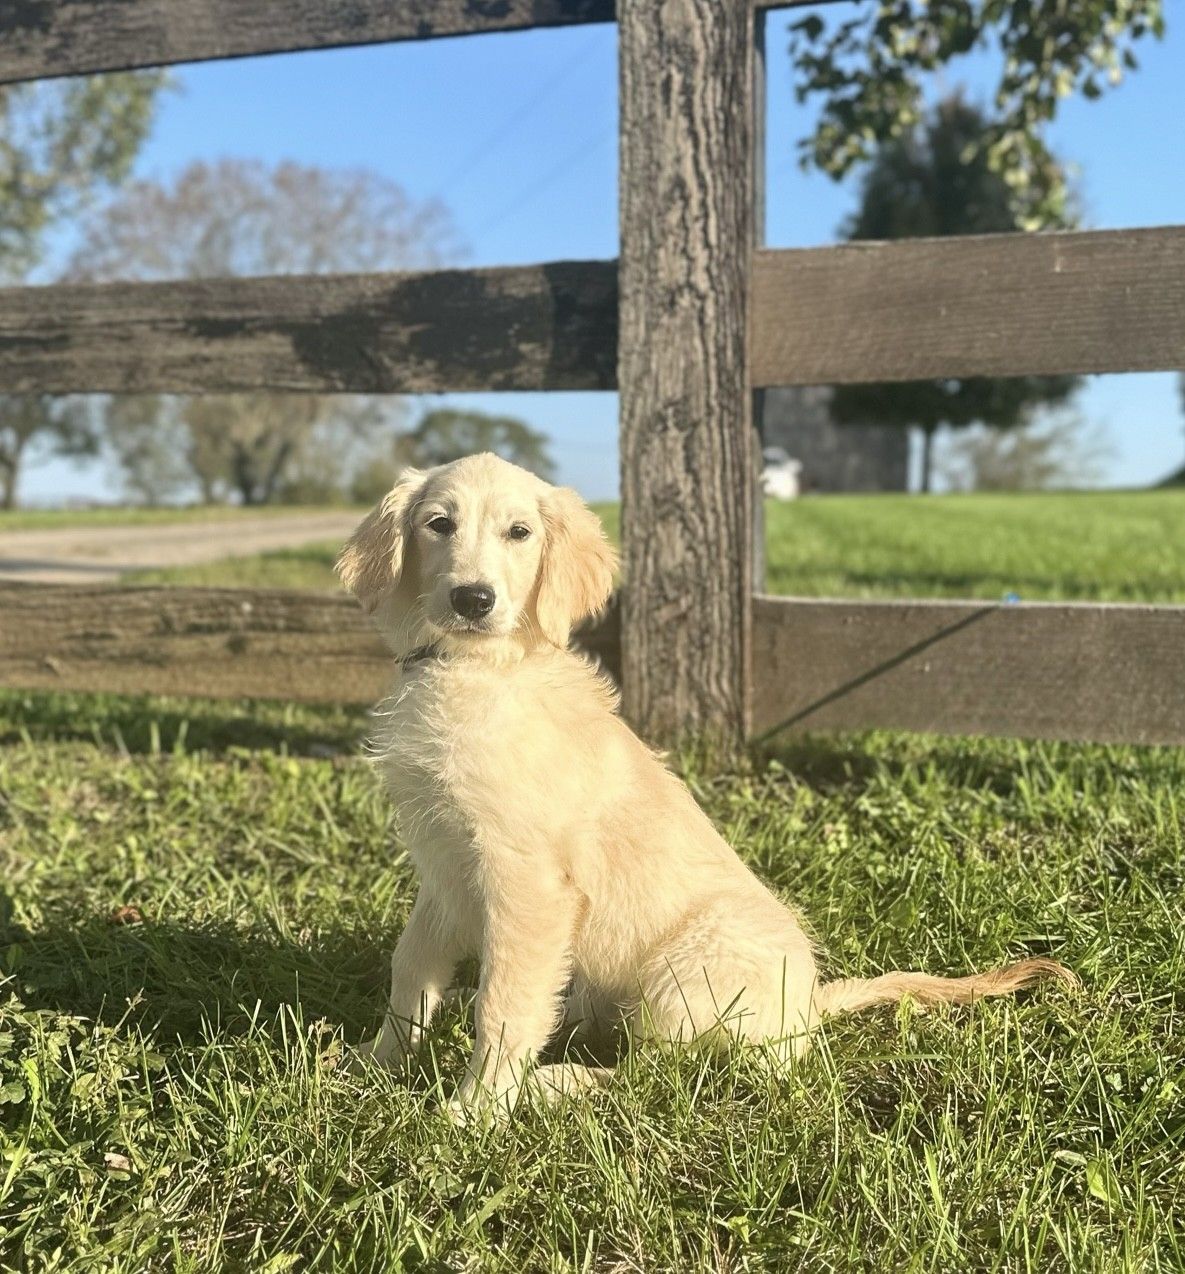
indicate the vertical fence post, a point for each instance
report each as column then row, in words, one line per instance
column 757, row 421
column 687, row 463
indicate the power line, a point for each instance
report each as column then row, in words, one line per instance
column 495, row 137
column 549, row 178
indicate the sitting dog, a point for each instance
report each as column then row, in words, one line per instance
column 549, row 840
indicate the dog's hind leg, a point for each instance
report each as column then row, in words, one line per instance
column 563, row 1079
column 588, row 1012
column 716, row 982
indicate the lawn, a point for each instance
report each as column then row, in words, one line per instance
column 172, row 1081
column 197, row 899
column 51, row 519
column 1109, row 546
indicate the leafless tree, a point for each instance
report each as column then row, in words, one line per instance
column 241, row 217
column 1060, row 451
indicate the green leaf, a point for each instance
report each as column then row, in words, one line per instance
column 903, row 913
column 12, row 1092
column 1102, row 1182
column 811, row 26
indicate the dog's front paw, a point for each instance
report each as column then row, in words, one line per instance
column 384, row 1050
column 479, row 1108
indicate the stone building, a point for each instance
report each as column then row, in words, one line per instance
column 834, row 457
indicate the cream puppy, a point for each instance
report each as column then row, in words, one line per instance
column 551, row 842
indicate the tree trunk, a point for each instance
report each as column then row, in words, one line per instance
column 10, row 470
column 927, row 458
column 687, row 464
column 243, row 475
column 276, row 471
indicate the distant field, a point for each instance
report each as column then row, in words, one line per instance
column 48, row 519
column 1108, row 546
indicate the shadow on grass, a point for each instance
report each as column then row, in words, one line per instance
column 831, row 763
column 146, row 724
column 175, row 977
column 183, row 981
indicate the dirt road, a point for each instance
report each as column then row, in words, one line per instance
column 101, row 554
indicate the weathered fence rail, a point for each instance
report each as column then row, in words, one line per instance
column 523, row 327
column 1111, row 673
column 976, row 305
column 1098, row 301
column 691, row 324
column 218, row 643
column 44, row 38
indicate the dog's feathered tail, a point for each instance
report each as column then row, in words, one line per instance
column 850, row 995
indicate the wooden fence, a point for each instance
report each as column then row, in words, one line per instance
column 689, row 325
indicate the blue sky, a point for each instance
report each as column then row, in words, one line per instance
column 517, row 134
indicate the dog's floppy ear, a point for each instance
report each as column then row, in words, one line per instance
column 576, row 572
column 371, row 563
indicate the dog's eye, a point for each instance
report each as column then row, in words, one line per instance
column 519, row 532
column 442, row 525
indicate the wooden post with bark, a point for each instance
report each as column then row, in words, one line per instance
column 687, row 462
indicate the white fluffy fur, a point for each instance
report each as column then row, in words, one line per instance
column 549, row 840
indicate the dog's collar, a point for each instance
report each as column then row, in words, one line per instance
column 422, row 654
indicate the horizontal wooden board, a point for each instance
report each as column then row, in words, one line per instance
column 1106, row 301
column 44, row 38
column 991, row 305
column 526, row 327
column 1039, row 670
column 308, row 647
column 1072, row 671
column 41, row 38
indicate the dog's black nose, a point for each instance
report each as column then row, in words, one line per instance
column 472, row 601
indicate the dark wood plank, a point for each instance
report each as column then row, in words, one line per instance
column 995, row 305
column 1051, row 671
column 210, row 642
column 992, row 305
column 686, row 182
column 1081, row 672
column 41, row 38
column 529, row 327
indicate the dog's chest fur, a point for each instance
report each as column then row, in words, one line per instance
column 488, row 769
column 446, row 738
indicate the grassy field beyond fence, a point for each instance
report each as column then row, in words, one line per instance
column 1126, row 546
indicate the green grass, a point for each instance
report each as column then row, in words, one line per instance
column 50, row 519
column 172, row 1094
column 1102, row 546
column 310, row 566
column 203, row 1046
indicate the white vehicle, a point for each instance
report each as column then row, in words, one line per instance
column 781, row 475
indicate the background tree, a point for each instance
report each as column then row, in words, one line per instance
column 935, row 180
column 38, row 423
column 61, row 145
column 1060, row 452
column 240, row 217
column 445, row 435
column 864, row 68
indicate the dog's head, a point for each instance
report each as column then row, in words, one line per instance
column 477, row 551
